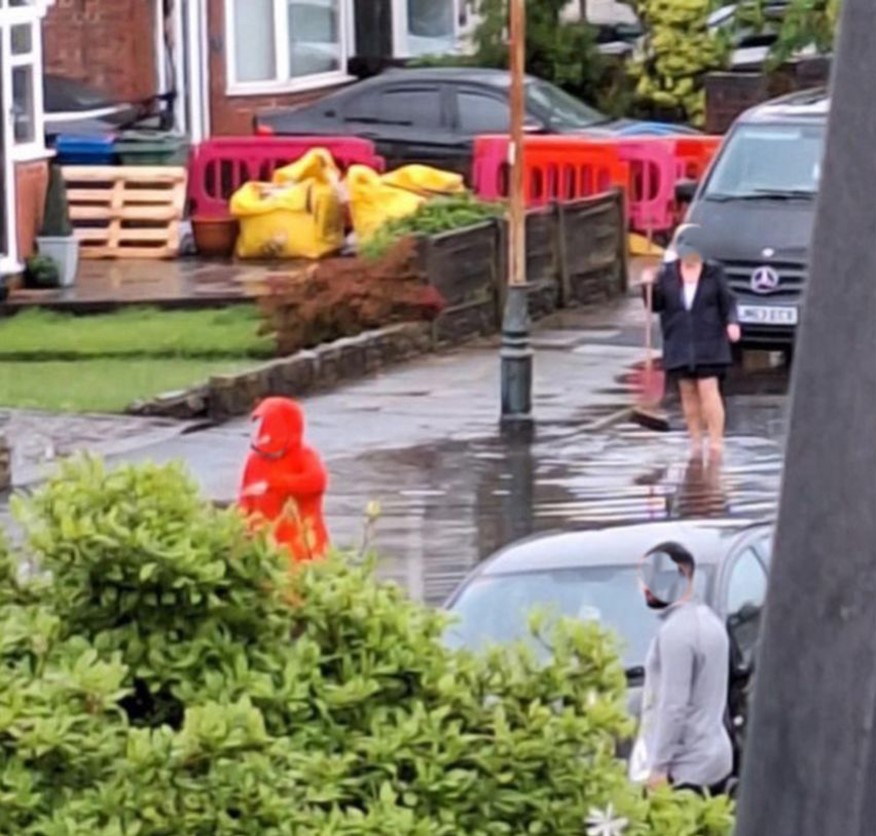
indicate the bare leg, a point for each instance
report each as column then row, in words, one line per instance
column 693, row 413
column 713, row 411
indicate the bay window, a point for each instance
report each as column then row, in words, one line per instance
column 284, row 45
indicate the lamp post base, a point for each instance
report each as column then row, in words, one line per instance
column 516, row 356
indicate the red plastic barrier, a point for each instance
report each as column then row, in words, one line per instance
column 694, row 155
column 556, row 168
column 220, row 166
column 566, row 168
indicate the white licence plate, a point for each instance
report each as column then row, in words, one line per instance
column 767, row 315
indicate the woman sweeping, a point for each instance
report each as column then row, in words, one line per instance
column 699, row 322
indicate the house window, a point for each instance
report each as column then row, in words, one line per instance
column 278, row 45
column 22, row 53
column 428, row 27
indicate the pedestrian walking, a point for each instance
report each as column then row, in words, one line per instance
column 683, row 738
column 698, row 321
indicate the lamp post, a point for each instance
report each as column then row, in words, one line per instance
column 516, row 352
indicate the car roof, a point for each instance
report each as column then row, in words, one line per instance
column 804, row 105
column 707, row 540
column 472, row 75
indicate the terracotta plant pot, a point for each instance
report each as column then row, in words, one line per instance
column 215, row 237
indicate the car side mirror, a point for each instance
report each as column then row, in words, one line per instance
column 533, row 126
column 685, row 191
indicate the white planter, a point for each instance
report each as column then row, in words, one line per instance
column 65, row 253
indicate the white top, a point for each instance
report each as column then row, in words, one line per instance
column 689, row 290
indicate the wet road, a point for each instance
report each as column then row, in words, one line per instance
column 446, row 506
column 422, row 440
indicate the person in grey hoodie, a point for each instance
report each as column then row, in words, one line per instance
column 683, row 739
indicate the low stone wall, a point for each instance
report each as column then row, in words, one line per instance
column 233, row 395
column 576, row 255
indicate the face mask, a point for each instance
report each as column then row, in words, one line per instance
column 654, row 603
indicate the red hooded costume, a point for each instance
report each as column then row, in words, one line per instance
column 284, row 481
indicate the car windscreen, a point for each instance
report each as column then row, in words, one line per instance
column 495, row 609
column 769, row 161
column 561, row 110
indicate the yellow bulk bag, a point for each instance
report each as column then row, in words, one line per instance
column 300, row 221
column 423, row 178
column 373, row 202
column 317, row 164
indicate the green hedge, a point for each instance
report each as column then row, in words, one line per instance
column 165, row 675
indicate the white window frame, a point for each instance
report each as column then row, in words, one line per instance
column 400, row 27
column 29, row 16
column 281, row 45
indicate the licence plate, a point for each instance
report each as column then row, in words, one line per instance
column 767, row 315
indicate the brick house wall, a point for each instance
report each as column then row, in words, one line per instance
column 107, row 43
column 233, row 115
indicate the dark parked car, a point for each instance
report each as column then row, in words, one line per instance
column 593, row 575
column 432, row 116
column 73, row 107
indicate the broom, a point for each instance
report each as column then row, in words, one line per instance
column 647, row 411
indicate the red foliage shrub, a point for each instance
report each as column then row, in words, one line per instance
column 342, row 297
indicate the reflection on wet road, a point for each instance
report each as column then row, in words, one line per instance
column 447, row 506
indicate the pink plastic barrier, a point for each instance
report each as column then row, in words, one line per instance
column 651, row 195
column 220, row 166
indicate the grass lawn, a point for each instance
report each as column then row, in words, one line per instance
column 101, row 385
column 104, row 363
column 43, row 335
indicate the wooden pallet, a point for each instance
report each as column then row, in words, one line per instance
column 127, row 211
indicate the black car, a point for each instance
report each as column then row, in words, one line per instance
column 594, row 575
column 73, row 107
column 432, row 116
column 756, row 209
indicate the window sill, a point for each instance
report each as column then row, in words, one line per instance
column 31, row 153
column 302, row 85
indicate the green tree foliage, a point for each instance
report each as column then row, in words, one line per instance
column 679, row 52
column 165, row 675
column 806, row 24
column 562, row 52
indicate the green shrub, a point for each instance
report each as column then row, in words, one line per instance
column 679, row 52
column 56, row 219
column 443, row 214
column 172, row 678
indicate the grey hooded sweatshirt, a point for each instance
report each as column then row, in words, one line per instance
column 685, row 700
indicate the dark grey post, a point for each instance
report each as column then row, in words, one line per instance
column 810, row 769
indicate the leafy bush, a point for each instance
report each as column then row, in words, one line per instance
column 173, row 679
column 342, row 297
column 443, row 214
column 563, row 52
column 805, row 23
column 679, row 51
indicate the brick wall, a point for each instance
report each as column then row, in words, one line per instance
column 107, row 43
column 233, row 115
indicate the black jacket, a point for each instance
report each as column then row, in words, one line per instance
column 696, row 337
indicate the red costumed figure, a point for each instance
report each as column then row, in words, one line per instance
column 284, row 481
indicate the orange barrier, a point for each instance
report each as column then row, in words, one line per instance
column 565, row 168
column 556, row 168
column 694, row 154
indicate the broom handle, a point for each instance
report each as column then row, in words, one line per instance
column 649, row 306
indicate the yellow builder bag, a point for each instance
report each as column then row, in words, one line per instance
column 375, row 200
column 297, row 221
column 317, row 164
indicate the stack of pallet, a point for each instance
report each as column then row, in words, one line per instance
column 127, row 211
